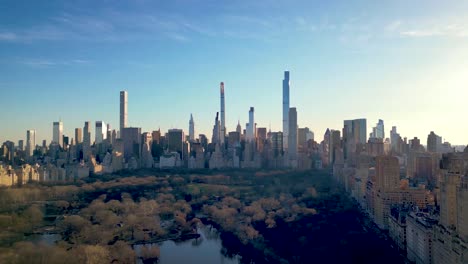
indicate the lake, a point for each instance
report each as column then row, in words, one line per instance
column 207, row 249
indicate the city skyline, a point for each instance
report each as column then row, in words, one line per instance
column 381, row 63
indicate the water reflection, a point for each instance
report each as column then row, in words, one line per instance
column 206, row 249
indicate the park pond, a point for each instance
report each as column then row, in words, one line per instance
column 205, row 249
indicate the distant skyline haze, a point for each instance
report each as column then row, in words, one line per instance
column 394, row 61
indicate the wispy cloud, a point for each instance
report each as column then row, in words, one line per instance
column 436, row 29
column 48, row 63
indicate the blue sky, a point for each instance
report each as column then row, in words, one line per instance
column 402, row 61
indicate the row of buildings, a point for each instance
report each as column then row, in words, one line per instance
column 419, row 195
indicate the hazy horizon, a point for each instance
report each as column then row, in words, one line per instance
column 395, row 61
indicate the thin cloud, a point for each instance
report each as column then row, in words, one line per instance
column 48, row 63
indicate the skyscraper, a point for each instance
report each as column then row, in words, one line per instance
column 239, row 128
column 432, row 142
column 131, row 137
column 86, row 139
column 250, row 129
column 191, row 129
column 176, row 141
column 378, row 131
column 30, row 142
column 123, row 110
column 292, row 136
column 57, row 135
column 216, row 130
column 285, row 109
column 223, row 117
column 78, row 135
column 100, row 132
column 387, row 171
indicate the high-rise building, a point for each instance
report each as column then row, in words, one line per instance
column 156, row 135
column 57, row 135
column 21, row 145
column 216, row 130
column 378, row 131
column 250, row 127
column 131, row 137
column 191, row 129
column 354, row 133
column 432, row 142
column 334, row 145
column 239, row 128
column 86, row 139
column 277, row 144
column 387, row 173
column 292, row 136
column 285, row 109
column 176, row 141
column 78, row 135
column 123, row 110
column 222, row 130
column 100, row 132
column 30, row 142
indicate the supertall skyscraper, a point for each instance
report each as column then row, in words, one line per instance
column 191, row 129
column 223, row 116
column 250, row 127
column 30, row 142
column 57, row 133
column 285, row 109
column 123, row 110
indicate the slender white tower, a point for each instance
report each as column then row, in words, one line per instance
column 285, row 110
column 223, row 120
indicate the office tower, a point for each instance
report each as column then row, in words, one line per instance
column 191, row 129
column 216, row 130
column 378, row 131
column 292, row 136
column 302, row 139
column 239, row 128
column 114, row 137
column 354, row 133
column 222, row 130
column 123, row 110
column 360, row 130
column 44, row 144
column 57, row 135
column 78, row 136
column 109, row 134
column 176, row 141
column 21, row 145
column 203, row 140
column 86, row 138
column 66, row 141
column 387, row 173
column 233, row 139
column 131, row 137
column 100, row 132
column 146, row 157
column 156, row 136
column 334, row 145
column 250, row 127
column 432, row 142
column 262, row 133
column 285, row 109
column 277, row 144
column 30, row 142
